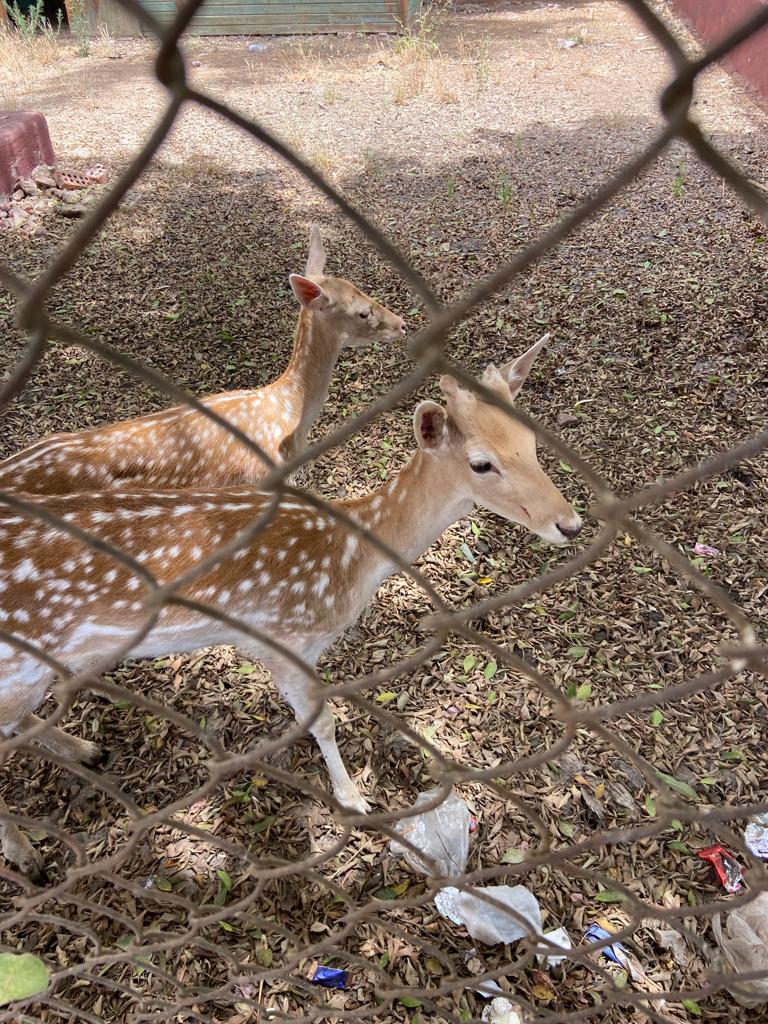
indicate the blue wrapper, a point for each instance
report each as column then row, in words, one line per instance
column 614, row 952
column 328, row 977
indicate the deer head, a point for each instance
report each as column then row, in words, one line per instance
column 349, row 314
column 491, row 457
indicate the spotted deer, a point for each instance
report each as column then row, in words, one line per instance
column 303, row 580
column 180, row 447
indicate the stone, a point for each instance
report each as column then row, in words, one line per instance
column 43, row 180
column 567, row 419
column 70, row 196
column 71, row 210
column 17, row 195
column 27, row 186
column 19, row 216
column 57, row 192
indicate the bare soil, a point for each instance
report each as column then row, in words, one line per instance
column 463, row 144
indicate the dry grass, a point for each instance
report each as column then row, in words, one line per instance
column 21, row 61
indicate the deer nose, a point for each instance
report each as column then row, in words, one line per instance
column 403, row 328
column 570, row 530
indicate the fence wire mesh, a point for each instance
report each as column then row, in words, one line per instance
column 228, row 958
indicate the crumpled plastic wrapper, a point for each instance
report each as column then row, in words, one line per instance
column 672, row 940
column 744, row 945
column 561, row 938
column 501, row 1011
column 488, row 923
column 441, row 836
column 756, row 836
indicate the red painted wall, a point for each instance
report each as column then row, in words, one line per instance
column 713, row 19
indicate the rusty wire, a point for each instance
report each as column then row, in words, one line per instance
column 160, row 992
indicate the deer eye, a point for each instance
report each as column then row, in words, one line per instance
column 365, row 313
column 481, row 467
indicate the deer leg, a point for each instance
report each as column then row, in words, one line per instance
column 18, row 850
column 293, row 689
column 61, row 743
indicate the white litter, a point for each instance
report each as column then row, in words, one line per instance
column 756, row 836
column 745, row 948
column 441, row 836
column 501, row 1011
column 488, row 989
column 487, row 922
column 561, row 938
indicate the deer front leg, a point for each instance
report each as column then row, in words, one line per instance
column 18, row 850
column 294, row 689
column 61, row 743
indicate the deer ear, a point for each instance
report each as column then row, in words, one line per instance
column 316, row 256
column 430, row 425
column 309, row 294
column 449, row 385
column 515, row 372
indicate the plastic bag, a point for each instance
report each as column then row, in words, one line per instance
column 501, row 1011
column 441, row 835
column 488, row 923
column 745, row 948
column 756, row 836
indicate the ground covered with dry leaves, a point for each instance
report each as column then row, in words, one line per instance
column 463, row 144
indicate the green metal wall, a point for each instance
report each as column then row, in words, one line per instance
column 271, row 17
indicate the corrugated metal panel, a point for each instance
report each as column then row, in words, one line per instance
column 714, row 19
column 271, row 17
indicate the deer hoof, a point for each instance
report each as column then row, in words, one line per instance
column 92, row 755
column 351, row 800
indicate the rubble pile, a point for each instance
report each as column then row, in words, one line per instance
column 66, row 193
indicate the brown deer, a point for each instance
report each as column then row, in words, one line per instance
column 180, row 447
column 303, row 580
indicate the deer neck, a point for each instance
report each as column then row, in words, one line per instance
column 308, row 375
column 415, row 508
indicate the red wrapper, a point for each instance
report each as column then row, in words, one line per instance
column 727, row 868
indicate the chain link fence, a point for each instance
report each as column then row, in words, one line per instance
column 138, row 966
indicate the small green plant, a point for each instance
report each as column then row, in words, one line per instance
column 450, row 186
column 373, row 164
column 27, row 24
column 678, row 184
column 80, row 27
column 482, row 64
column 419, row 38
column 475, row 59
column 505, row 191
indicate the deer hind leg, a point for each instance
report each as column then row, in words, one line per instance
column 18, row 850
column 61, row 743
column 294, row 689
